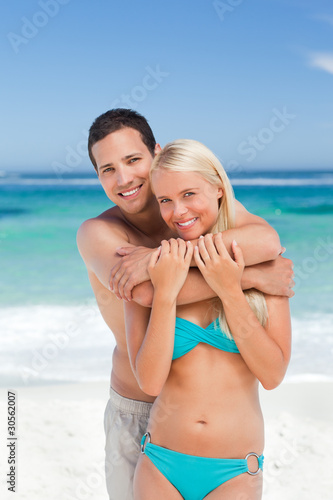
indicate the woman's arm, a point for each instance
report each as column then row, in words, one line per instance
column 265, row 350
column 150, row 338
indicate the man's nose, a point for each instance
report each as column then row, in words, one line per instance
column 124, row 177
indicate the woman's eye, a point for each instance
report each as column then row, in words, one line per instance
column 165, row 200
column 188, row 194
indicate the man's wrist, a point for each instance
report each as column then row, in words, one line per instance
column 249, row 278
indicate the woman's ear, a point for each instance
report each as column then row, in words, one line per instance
column 219, row 193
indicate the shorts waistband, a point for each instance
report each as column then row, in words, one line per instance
column 130, row 405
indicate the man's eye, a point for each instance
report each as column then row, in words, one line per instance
column 107, row 170
column 133, row 160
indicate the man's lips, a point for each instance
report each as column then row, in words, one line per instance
column 130, row 193
column 186, row 224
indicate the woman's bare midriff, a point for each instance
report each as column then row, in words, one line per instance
column 209, row 406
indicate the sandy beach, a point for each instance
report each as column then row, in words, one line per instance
column 60, row 445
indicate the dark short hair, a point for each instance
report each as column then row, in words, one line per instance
column 116, row 119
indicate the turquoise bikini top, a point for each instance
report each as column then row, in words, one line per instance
column 188, row 335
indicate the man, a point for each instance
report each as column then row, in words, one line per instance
column 121, row 147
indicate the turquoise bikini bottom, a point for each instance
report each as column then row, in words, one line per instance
column 194, row 477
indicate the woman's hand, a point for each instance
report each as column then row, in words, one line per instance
column 169, row 265
column 221, row 272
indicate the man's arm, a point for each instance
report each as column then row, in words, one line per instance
column 97, row 241
column 273, row 278
column 257, row 239
column 195, row 289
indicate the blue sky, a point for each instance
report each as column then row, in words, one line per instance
column 252, row 80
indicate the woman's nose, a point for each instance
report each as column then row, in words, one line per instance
column 180, row 210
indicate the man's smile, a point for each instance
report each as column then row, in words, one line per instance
column 130, row 193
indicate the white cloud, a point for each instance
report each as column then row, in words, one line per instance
column 322, row 60
column 325, row 17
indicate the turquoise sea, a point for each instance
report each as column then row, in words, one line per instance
column 51, row 329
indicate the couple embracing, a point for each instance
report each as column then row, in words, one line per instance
column 204, row 317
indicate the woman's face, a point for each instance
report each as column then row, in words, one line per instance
column 188, row 203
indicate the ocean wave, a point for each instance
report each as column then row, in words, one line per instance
column 313, row 210
column 72, row 343
column 266, row 181
column 17, row 181
column 12, row 212
column 260, row 180
column 308, row 377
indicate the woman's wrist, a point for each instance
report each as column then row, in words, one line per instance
column 231, row 294
column 164, row 296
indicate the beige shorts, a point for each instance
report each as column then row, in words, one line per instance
column 125, row 422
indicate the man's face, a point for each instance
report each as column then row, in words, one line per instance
column 123, row 164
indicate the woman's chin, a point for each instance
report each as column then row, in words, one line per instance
column 189, row 236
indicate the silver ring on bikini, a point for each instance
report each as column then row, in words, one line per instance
column 257, row 471
column 146, row 440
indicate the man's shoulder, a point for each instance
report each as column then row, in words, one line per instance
column 112, row 218
column 111, row 222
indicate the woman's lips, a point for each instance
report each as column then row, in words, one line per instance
column 186, row 224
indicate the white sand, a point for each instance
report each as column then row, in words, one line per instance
column 60, row 447
column 299, row 442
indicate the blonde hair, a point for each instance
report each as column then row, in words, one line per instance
column 185, row 155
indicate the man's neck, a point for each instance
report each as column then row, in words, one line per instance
column 150, row 223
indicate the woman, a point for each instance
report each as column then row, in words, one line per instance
column 204, row 361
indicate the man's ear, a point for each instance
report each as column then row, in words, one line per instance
column 157, row 149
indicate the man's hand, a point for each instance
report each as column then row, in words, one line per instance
column 130, row 271
column 274, row 277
